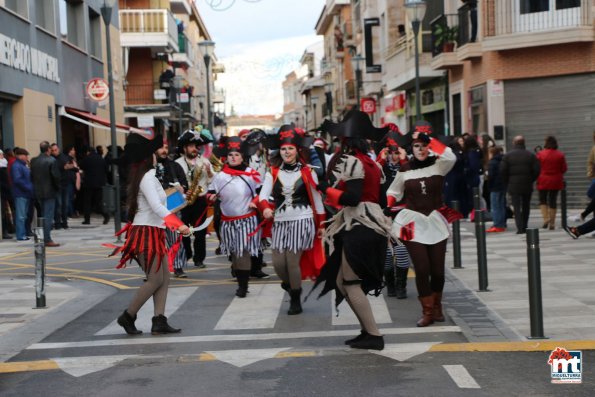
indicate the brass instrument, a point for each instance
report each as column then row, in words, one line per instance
column 195, row 189
column 216, row 163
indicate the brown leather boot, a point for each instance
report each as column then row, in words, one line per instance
column 545, row 215
column 552, row 222
column 427, row 306
column 437, row 312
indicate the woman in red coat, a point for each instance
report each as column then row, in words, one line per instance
column 550, row 180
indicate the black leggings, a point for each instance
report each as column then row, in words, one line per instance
column 548, row 197
column 428, row 261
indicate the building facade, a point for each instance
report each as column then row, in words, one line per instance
column 50, row 50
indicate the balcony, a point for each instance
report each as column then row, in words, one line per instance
column 218, row 96
column 180, row 7
column 186, row 53
column 149, row 28
column 143, row 93
column 444, row 38
column 468, row 47
column 512, row 25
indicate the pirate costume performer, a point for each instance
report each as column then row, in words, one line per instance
column 198, row 174
column 423, row 224
column 145, row 236
column 357, row 235
column 396, row 266
column 235, row 186
column 171, row 176
column 298, row 215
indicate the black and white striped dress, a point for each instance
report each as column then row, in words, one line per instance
column 293, row 227
column 238, row 220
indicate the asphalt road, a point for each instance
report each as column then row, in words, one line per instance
column 250, row 347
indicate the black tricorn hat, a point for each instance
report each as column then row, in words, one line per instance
column 229, row 144
column 289, row 135
column 357, row 124
column 138, row 147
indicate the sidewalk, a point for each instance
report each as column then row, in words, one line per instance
column 567, row 278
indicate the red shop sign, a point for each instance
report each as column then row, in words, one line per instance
column 97, row 89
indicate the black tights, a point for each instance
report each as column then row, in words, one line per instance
column 428, row 261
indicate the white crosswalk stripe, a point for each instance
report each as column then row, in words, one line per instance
column 461, row 376
column 175, row 298
column 258, row 311
column 347, row 317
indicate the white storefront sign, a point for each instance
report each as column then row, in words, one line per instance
column 22, row 57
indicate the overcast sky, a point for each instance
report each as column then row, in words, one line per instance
column 259, row 42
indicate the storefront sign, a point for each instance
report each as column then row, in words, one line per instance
column 368, row 105
column 21, row 56
column 97, row 89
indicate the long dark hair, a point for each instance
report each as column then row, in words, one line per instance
column 136, row 173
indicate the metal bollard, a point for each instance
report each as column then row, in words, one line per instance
column 534, row 273
column 563, row 212
column 456, row 238
column 482, row 257
column 476, row 199
column 39, row 265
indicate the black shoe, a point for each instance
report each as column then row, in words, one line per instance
column 258, row 274
column 241, row 292
column 242, row 276
column 200, row 265
column 295, row 304
column 65, row 225
column 105, row 219
column 218, row 251
column 126, row 321
column 7, row 236
column 160, row 326
column 361, row 336
column 572, row 232
column 179, row 273
column 86, row 223
column 369, row 342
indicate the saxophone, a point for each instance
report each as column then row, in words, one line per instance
column 195, row 189
column 216, row 163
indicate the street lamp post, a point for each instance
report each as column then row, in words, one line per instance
column 208, row 49
column 356, row 62
column 106, row 13
column 416, row 9
column 177, row 82
column 329, row 98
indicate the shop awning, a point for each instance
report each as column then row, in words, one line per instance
column 95, row 121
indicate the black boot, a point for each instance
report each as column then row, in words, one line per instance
column 295, row 305
column 160, row 326
column 401, row 282
column 389, row 279
column 361, row 336
column 256, row 267
column 371, row 342
column 242, row 277
column 126, row 321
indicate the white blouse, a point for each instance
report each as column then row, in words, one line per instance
column 234, row 193
column 151, row 202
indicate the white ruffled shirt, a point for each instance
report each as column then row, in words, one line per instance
column 152, row 202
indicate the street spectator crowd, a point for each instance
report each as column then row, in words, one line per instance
column 56, row 185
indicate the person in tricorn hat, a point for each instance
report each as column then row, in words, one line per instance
column 297, row 214
column 145, row 235
column 422, row 224
column 198, row 174
column 391, row 155
column 235, row 187
column 357, row 235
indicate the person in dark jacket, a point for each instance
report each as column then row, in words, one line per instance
column 519, row 169
column 497, row 190
column 455, row 187
column 60, row 214
column 46, row 182
column 22, row 191
column 94, row 179
column 550, row 180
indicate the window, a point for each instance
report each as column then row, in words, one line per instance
column 21, row 7
column 44, row 15
column 95, row 33
column 563, row 4
column 532, row 6
column 478, row 110
column 71, row 22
